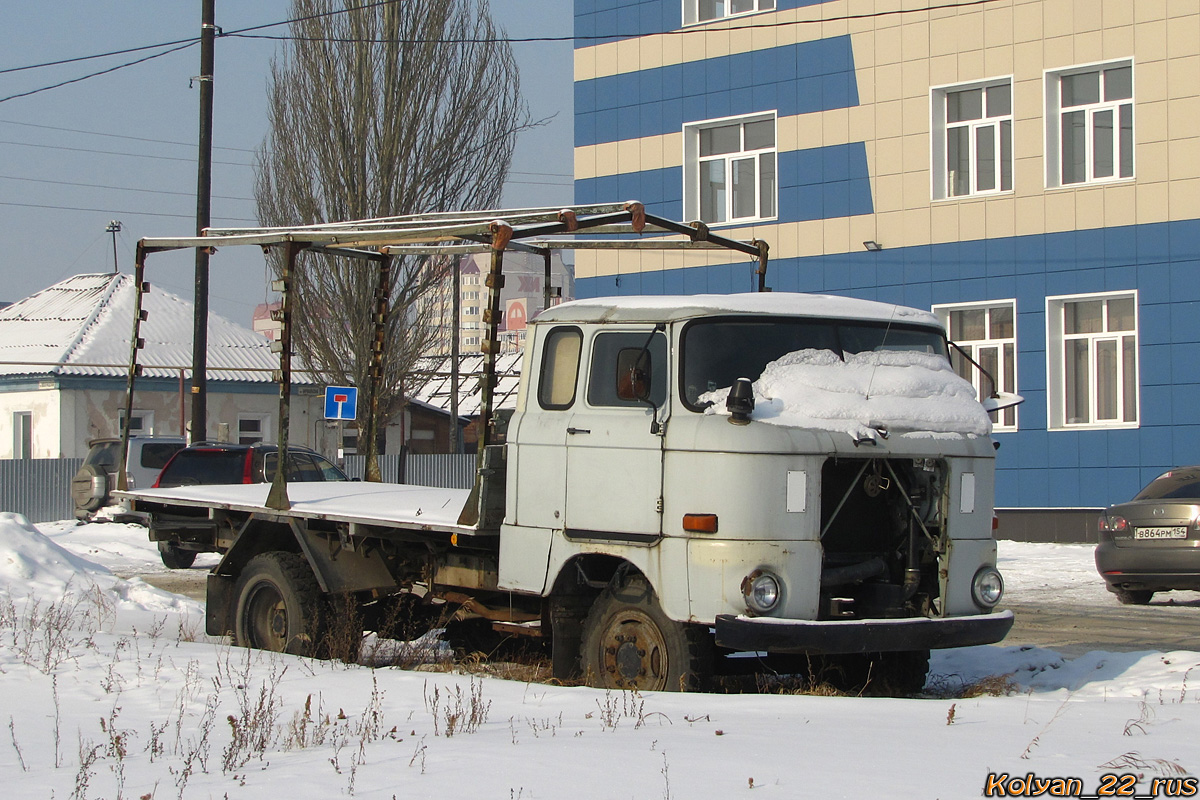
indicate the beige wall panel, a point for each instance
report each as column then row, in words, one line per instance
column 1029, row 103
column 914, row 42
column 1027, row 22
column 1060, row 210
column 835, row 126
column 889, row 157
column 809, row 131
column 1120, row 204
column 943, row 36
column 943, row 70
column 717, row 43
column 1118, row 42
column 916, row 158
column 1150, row 121
column 1152, row 203
column 837, row 235
column 585, row 163
column 860, row 122
column 629, row 54
column 1031, row 214
column 1087, row 16
column 916, row 189
column 1184, row 198
column 1150, row 40
column 970, row 66
column 972, row 220
column 888, row 193
column 863, row 43
column 1152, row 162
column 585, row 63
column 998, row 27
column 887, row 83
column 888, row 46
column 1184, row 155
column 891, row 230
column 917, row 226
column 1059, row 52
column 998, row 61
column 1001, row 217
column 943, row 222
column 969, row 31
column 1150, row 84
column 1028, row 178
column 1182, row 121
column 1149, row 10
column 629, row 155
column 888, row 118
column 1117, row 12
column 862, row 229
column 1183, row 37
column 1183, row 76
column 1089, row 208
column 915, row 115
column 1089, row 47
column 1181, row 8
column 1058, row 18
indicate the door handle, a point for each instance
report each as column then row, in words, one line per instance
column 574, row 431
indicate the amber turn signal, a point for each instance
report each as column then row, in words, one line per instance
column 700, row 523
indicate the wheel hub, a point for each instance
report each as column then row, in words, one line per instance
column 635, row 653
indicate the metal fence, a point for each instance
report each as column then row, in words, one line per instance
column 39, row 488
column 448, row 470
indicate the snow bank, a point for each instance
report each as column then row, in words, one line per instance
column 904, row 390
column 33, row 566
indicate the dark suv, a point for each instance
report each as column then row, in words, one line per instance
column 221, row 462
column 209, row 463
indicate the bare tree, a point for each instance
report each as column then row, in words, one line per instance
column 396, row 108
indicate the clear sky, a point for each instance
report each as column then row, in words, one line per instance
column 123, row 145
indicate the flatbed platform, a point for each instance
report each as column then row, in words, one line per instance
column 385, row 504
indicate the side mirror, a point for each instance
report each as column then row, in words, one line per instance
column 633, row 375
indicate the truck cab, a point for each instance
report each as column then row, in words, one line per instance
column 836, row 517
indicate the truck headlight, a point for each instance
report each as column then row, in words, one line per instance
column 762, row 591
column 987, row 588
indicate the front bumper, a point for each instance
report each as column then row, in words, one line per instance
column 832, row 637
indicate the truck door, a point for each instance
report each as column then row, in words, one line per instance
column 614, row 459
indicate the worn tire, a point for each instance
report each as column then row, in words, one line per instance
column 278, row 606
column 1134, row 597
column 175, row 558
column 629, row 643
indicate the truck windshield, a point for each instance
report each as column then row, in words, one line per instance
column 717, row 352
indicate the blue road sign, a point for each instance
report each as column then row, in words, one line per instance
column 341, row 402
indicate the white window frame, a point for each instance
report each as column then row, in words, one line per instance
column 146, row 419
column 22, row 447
column 264, row 431
column 1056, row 358
column 1005, row 420
column 939, row 145
column 691, row 10
column 1053, row 125
column 693, row 162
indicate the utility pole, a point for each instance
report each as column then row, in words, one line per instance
column 208, row 31
column 114, row 227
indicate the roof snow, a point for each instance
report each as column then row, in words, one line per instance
column 83, row 325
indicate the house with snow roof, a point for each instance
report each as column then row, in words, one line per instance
column 64, row 353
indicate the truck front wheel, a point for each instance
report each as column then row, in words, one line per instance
column 628, row 643
column 279, row 606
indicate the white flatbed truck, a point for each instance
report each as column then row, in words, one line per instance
column 639, row 517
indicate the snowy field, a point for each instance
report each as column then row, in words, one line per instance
column 111, row 690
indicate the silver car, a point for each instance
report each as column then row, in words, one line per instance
column 97, row 477
column 1152, row 543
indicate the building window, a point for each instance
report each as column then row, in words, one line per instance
column 704, row 10
column 252, row 428
column 973, row 144
column 1089, row 124
column 1093, row 360
column 730, row 173
column 23, row 434
column 141, row 423
column 987, row 333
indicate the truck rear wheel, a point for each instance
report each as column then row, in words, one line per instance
column 628, row 643
column 279, row 606
column 175, row 558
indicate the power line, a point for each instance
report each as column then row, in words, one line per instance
column 95, row 74
column 114, row 211
column 117, row 153
column 117, row 135
column 116, row 188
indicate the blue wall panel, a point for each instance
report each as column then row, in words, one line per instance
column 601, row 21
column 808, row 77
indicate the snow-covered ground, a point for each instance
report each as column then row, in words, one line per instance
column 110, row 689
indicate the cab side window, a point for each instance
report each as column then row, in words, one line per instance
column 614, row 355
column 560, row 368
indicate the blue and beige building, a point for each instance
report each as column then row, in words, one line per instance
column 1028, row 169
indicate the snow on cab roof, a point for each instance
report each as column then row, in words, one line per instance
column 669, row 308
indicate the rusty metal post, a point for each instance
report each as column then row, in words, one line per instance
column 277, row 498
column 383, row 293
column 763, row 248
column 501, row 234
column 135, row 343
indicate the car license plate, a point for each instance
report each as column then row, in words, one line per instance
column 1160, row 533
